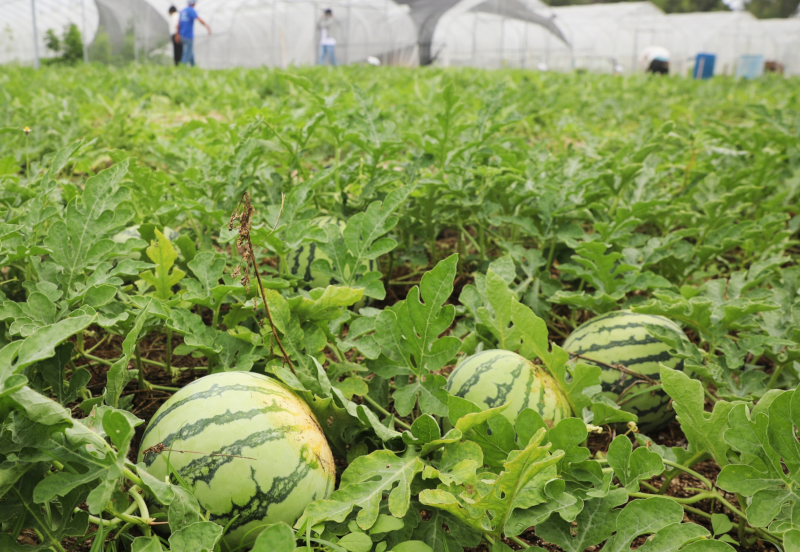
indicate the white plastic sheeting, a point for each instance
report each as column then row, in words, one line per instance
column 785, row 34
column 146, row 20
column 611, row 37
column 498, row 33
column 728, row 35
column 279, row 33
column 16, row 25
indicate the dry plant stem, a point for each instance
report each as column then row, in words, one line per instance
column 269, row 314
column 619, row 367
column 245, row 221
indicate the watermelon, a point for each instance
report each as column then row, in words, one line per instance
column 494, row 377
column 300, row 261
column 271, row 456
column 620, row 337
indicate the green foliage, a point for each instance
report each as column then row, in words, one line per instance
column 469, row 211
column 68, row 47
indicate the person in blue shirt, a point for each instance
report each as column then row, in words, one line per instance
column 185, row 32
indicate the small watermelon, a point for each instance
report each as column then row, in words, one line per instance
column 300, row 261
column 620, row 337
column 495, row 377
column 273, row 456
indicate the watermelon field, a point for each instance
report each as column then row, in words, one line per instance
column 411, row 310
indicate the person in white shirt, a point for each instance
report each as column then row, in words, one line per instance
column 328, row 30
column 177, row 47
column 654, row 59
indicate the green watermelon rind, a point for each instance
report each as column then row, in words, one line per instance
column 620, row 337
column 493, row 377
column 241, row 414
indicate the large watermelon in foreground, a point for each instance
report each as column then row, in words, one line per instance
column 495, row 377
column 620, row 337
column 250, row 415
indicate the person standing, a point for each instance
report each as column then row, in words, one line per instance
column 186, row 32
column 328, row 30
column 174, row 23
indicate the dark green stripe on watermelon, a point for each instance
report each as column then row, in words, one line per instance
column 640, row 352
column 191, row 430
column 212, row 391
column 614, row 344
column 204, row 468
column 476, row 376
column 256, row 509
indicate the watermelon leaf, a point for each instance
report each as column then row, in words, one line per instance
column 703, row 431
column 674, row 537
column 163, row 254
column 490, row 504
column 118, row 373
column 767, row 444
column 596, row 523
column 351, row 251
column 444, row 532
column 363, row 484
column 501, row 299
column 341, row 419
column 275, row 538
column 409, row 333
column 643, row 517
column 575, row 379
column 203, row 535
column 631, row 466
column 78, row 240
column 554, row 499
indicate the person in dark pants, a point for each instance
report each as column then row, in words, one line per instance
column 659, row 66
column 655, row 60
column 174, row 23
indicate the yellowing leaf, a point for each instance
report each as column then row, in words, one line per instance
column 163, row 254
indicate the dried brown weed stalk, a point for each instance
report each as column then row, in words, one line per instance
column 244, row 214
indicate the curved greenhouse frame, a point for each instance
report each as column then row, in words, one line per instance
column 786, row 35
column 279, row 33
column 610, row 37
column 17, row 42
column 499, row 33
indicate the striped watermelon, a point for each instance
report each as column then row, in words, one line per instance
column 620, row 337
column 300, row 261
column 289, row 463
column 494, row 377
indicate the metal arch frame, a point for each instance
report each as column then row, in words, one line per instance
column 24, row 15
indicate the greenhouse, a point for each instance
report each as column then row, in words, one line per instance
column 610, row 37
column 785, row 34
column 23, row 26
column 146, row 21
column 497, row 33
column 728, row 35
column 280, row 33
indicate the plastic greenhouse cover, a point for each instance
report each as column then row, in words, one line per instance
column 610, row 37
column 785, row 34
column 16, row 25
column 248, row 33
column 147, row 21
column 499, row 33
column 729, row 35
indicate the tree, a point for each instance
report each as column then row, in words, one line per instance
column 69, row 46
